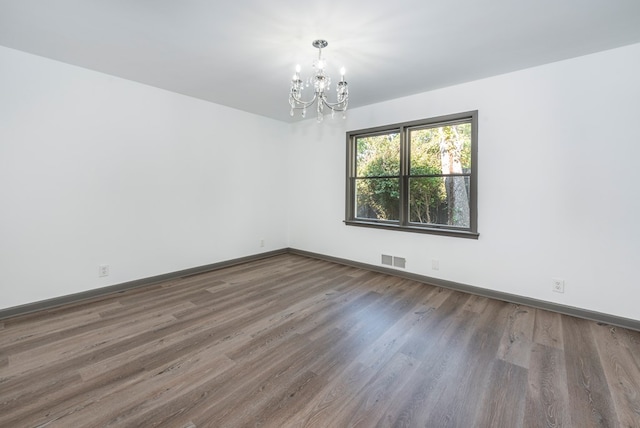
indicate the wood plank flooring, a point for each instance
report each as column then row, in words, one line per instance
column 291, row 341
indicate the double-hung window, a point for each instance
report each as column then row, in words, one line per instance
column 417, row 176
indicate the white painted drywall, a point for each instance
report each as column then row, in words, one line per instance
column 559, row 179
column 99, row 170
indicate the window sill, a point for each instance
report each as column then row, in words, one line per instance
column 415, row 229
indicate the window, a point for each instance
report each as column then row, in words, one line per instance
column 418, row 176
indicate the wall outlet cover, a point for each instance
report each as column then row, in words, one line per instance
column 557, row 285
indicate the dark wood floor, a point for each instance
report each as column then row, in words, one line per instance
column 291, row 341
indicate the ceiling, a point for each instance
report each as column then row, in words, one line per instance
column 242, row 53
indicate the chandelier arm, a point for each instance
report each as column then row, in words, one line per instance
column 340, row 106
column 298, row 103
column 337, row 106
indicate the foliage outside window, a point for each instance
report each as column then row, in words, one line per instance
column 417, row 176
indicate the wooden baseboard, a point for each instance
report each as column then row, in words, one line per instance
column 507, row 297
column 43, row 305
column 484, row 292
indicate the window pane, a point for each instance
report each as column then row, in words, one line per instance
column 378, row 155
column 378, row 198
column 441, row 150
column 439, row 200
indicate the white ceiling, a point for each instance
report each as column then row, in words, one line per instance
column 242, row 53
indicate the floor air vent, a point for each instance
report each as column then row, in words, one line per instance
column 400, row 262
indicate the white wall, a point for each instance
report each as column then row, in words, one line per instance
column 559, row 170
column 96, row 169
column 100, row 170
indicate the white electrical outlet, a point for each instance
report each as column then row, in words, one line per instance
column 103, row 270
column 435, row 264
column 262, row 242
column 557, row 285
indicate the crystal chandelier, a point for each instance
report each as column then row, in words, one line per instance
column 321, row 84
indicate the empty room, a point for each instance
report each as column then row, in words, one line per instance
column 327, row 214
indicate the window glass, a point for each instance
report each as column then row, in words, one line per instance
column 378, row 155
column 378, row 198
column 439, row 200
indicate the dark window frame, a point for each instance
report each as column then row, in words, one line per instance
column 403, row 224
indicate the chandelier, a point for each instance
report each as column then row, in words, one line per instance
column 321, row 84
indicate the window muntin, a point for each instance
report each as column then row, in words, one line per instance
column 418, row 176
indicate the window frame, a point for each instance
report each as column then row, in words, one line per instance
column 403, row 224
